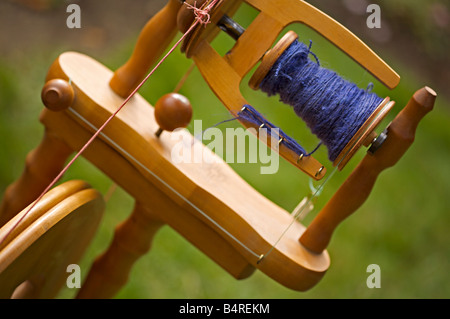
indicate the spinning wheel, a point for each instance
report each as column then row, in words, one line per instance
column 207, row 203
column 36, row 253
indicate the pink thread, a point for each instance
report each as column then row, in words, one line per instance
column 200, row 14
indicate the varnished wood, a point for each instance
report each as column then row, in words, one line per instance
column 152, row 42
column 57, row 95
column 364, row 133
column 356, row 189
column 254, row 45
column 270, row 58
column 43, row 243
column 286, row 12
column 211, row 193
column 209, row 31
column 275, row 16
column 110, row 271
column 172, row 111
column 226, row 87
column 44, row 205
column 207, row 203
column 41, row 166
column 131, row 179
column 186, row 16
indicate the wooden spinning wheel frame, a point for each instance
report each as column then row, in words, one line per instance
column 229, row 221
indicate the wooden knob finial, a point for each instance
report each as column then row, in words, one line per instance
column 172, row 111
column 57, row 95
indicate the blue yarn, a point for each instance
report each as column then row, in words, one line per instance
column 333, row 108
column 249, row 114
column 252, row 116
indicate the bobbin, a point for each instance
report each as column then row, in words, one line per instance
column 365, row 135
column 253, row 44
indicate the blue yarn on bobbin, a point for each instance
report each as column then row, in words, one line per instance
column 333, row 108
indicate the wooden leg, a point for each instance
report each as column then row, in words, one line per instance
column 132, row 239
column 41, row 166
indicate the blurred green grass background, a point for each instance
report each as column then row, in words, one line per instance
column 403, row 227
